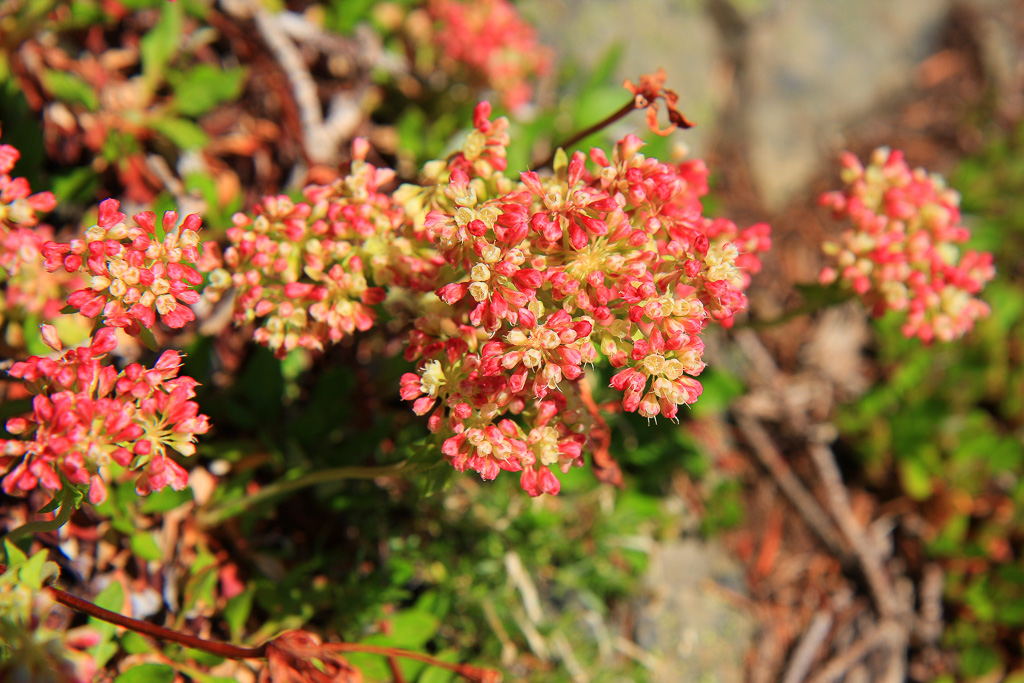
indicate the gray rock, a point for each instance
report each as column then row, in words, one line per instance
column 695, row 632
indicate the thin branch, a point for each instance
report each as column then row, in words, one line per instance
column 219, row 513
column 67, row 508
column 807, row 650
column 883, row 635
column 225, row 650
column 607, row 121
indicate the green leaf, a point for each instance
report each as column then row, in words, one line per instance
column 14, row 554
column 159, row 45
column 435, row 674
column 71, row 88
column 147, row 673
column 916, row 478
column 37, row 571
column 144, row 546
column 413, row 629
column 206, row 86
column 166, row 499
column 978, row 660
column 77, row 185
column 147, row 339
column 236, row 612
column 134, row 644
column 183, row 133
column 111, row 597
column 53, row 504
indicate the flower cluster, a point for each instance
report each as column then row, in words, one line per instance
column 86, row 414
column 543, row 276
column 134, row 274
column 306, row 270
column 510, row 288
column 488, row 44
column 902, row 251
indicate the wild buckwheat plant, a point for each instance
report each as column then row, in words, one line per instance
column 511, row 287
column 902, row 251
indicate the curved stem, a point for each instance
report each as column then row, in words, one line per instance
column 67, row 508
column 219, row 513
column 474, row 673
column 225, row 650
column 626, row 108
column 807, row 307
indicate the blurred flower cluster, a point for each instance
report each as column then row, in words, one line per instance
column 27, row 292
column 86, row 415
column 902, row 252
column 485, row 44
column 511, row 288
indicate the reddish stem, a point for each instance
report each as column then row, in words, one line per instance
column 626, row 108
column 229, row 651
column 473, row 673
column 225, row 650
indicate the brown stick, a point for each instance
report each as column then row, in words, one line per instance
column 791, row 486
column 868, row 556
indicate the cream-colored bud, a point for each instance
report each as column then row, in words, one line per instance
column 480, row 273
column 160, row 286
column 166, row 303
column 479, row 291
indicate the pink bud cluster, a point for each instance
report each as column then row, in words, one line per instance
column 305, row 270
column 489, row 44
column 544, row 276
column 902, row 252
column 135, row 275
column 86, row 415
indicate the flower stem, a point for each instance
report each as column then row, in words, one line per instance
column 626, row 108
column 68, row 506
column 225, row 650
column 229, row 651
column 219, row 513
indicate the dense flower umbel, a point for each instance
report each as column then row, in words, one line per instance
column 902, row 252
column 550, row 274
column 86, row 414
column 134, row 275
column 309, row 271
